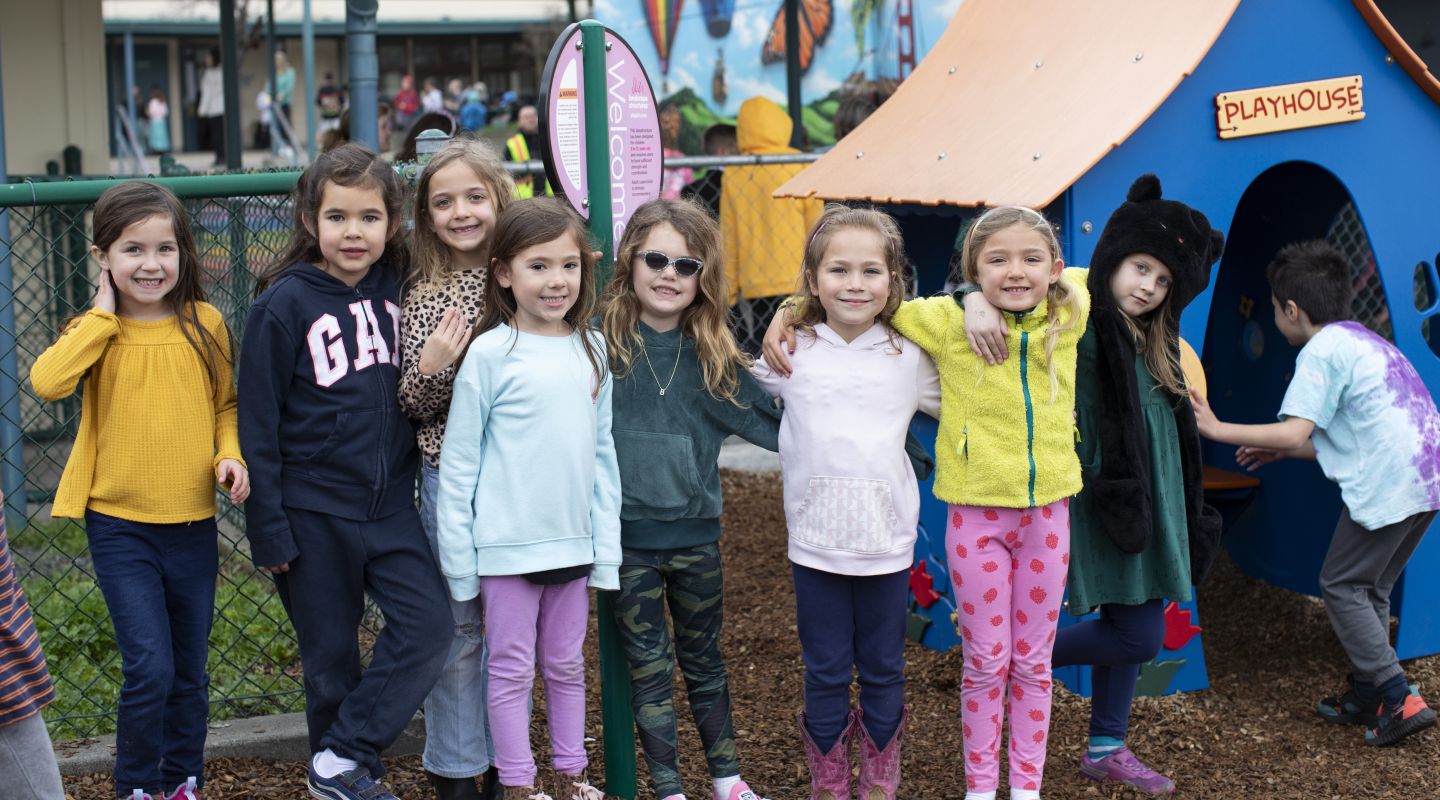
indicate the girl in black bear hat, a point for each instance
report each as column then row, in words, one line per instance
column 1140, row 532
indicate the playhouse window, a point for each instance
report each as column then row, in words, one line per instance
column 1347, row 234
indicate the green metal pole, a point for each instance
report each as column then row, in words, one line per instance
column 615, row 713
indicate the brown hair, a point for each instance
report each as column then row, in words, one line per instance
column 1156, row 340
column 350, row 165
column 704, row 321
column 1062, row 305
column 524, row 224
column 431, row 262
column 133, row 202
column 835, row 218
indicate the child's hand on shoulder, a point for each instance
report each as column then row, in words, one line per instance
column 232, row 475
column 779, row 342
column 104, row 293
column 985, row 329
column 445, row 344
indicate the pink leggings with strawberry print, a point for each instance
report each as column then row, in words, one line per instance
column 1008, row 566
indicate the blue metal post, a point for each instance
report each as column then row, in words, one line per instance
column 130, row 78
column 307, row 43
column 274, row 88
column 230, row 67
column 364, row 71
column 12, row 441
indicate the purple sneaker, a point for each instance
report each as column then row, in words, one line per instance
column 1123, row 766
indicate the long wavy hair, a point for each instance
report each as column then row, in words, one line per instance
column 1062, row 304
column 134, row 202
column 836, row 218
column 703, row 321
column 1156, row 340
column 524, row 224
column 431, row 262
column 349, row 165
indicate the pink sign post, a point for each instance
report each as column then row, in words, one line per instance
column 632, row 136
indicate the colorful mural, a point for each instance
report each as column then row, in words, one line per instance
column 706, row 57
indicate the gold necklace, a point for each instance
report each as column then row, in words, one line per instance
column 646, row 353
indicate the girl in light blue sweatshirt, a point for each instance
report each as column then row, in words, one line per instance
column 529, row 506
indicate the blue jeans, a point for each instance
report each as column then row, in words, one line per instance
column 1116, row 644
column 851, row 622
column 457, row 731
column 159, row 584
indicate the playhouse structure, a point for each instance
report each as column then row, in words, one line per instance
column 1281, row 120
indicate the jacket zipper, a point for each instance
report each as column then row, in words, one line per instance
column 1029, row 410
column 376, row 489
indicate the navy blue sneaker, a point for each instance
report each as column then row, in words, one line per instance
column 355, row 784
column 1348, row 708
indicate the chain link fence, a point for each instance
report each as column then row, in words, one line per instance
column 241, row 223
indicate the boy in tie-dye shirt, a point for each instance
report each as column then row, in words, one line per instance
column 1359, row 407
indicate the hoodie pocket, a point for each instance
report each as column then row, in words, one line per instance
column 852, row 514
column 657, row 470
column 349, row 452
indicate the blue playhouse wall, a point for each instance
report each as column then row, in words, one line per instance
column 1263, row 191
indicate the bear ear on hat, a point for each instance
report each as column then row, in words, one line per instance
column 1145, row 188
column 1217, row 246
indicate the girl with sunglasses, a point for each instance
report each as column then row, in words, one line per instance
column 681, row 387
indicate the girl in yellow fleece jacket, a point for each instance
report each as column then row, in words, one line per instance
column 1006, row 464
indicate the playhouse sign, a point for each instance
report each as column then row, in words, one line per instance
column 1288, row 107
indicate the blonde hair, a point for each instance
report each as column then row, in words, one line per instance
column 838, row 217
column 1062, row 304
column 431, row 262
column 1156, row 340
column 704, row 320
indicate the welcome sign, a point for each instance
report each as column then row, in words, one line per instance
column 1288, row 107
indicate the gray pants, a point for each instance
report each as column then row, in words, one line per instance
column 28, row 762
column 1360, row 570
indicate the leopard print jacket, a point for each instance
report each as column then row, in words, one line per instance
column 426, row 398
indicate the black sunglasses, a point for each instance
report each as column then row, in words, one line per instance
column 685, row 266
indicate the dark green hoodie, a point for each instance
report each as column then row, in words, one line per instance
column 668, row 445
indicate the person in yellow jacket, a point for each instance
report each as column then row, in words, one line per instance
column 764, row 237
column 525, row 146
column 1006, row 464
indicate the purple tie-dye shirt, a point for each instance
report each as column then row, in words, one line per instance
column 1377, row 433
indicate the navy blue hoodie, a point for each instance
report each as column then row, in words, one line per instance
column 320, row 425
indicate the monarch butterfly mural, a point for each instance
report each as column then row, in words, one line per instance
column 815, row 19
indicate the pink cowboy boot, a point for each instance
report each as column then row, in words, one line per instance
column 879, row 769
column 829, row 772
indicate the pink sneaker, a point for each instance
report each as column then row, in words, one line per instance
column 740, row 791
column 185, row 791
column 1124, row 767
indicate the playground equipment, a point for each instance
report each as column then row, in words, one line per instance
column 1281, row 120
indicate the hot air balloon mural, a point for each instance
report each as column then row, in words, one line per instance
column 717, row 16
column 663, row 17
column 815, row 17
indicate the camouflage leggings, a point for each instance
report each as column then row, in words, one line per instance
column 689, row 581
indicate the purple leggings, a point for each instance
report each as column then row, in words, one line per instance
column 524, row 620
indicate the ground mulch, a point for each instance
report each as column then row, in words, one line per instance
column 1270, row 654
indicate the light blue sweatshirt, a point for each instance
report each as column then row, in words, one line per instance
column 528, row 477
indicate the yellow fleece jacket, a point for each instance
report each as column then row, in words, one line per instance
column 152, row 427
column 1003, row 440
column 764, row 237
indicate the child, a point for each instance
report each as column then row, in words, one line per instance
column 333, row 513
column 461, row 190
column 1006, row 463
column 150, row 341
column 529, row 498
column 1139, row 529
column 665, row 307
column 1358, row 407
column 851, row 500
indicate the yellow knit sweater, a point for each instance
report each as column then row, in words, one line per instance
column 149, row 415
column 1003, row 441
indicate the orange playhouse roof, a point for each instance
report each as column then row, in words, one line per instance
column 1016, row 101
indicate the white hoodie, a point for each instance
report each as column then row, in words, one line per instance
column 851, row 501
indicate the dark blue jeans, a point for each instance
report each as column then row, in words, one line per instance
column 159, row 584
column 851, row 622
column 1116, row 644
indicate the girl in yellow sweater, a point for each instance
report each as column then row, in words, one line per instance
column 1006, row 464
column 157, row 430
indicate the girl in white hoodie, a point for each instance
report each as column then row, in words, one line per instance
column 851, row 498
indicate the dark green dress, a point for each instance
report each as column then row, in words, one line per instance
column 1100, row 573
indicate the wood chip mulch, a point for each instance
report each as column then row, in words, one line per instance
column 1270, row 653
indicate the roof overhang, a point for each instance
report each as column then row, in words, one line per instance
column 1408, row 60
column 1017, row 100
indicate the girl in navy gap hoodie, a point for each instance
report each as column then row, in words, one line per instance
column 333, row 461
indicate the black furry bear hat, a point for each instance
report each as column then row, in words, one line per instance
column 1171, row 231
